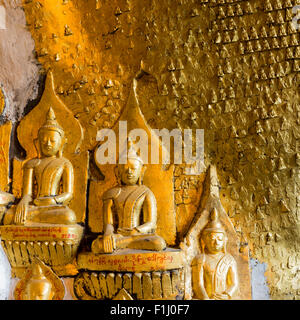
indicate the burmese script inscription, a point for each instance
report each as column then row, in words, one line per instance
column 39, row 233
column 132, row 262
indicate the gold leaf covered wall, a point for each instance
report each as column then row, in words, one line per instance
column 229, row 67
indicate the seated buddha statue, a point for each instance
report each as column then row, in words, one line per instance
column 48, row 182
column 214, row 271
column 130, row 211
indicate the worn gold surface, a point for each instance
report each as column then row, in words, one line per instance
column 5, row 132
column 231, row 68
column 2, row 101
column 166, row 285
column 39, row 283
column 54, row 245
column 5, row 137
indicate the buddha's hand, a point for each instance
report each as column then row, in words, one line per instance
column 22, row 210
column 109, row 243
column 221, row 296
column 44, row 201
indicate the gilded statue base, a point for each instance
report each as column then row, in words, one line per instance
column 128, row 275
column 156, row 285
column 55, row 246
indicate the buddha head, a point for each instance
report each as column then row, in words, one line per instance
column 38, row 286
column 51, row 136
column 213, row 237
column 131, row 172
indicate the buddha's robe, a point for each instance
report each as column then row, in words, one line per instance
column 54, row 179
column 134, row 208
column 217, row 275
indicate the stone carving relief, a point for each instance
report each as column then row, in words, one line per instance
column 41, row 223
column 214, row 271
column 218, row 261
column 130, row 257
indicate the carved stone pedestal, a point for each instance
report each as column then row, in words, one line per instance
column 56, row 246
column 124, row 275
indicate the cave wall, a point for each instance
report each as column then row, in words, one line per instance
column 228, row 67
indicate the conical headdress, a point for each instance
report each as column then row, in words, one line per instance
column 214, row 224
column 51, row 123
column 131, row 153
column 37, row 272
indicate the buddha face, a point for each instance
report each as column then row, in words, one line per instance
column 39, row 290
column 50, row 142
column 214, row 241
column 130, row 172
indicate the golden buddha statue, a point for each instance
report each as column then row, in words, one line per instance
column 38, row 286
column 133, row 205
column 50, row 177
column 214, row 270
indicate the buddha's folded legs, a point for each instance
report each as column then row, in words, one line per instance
column 49, row 214
column 150, row 242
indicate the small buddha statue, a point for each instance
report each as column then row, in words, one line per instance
column 133, row 205
column 38, row 286
column 214, row 271
column 48, row 182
